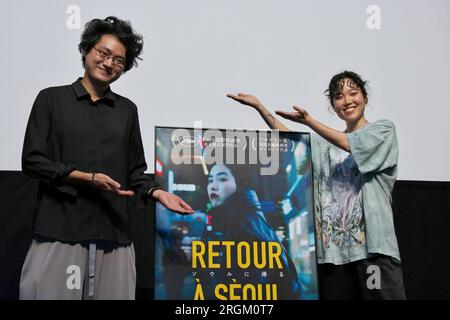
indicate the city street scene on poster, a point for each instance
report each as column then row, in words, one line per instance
column 252, row 234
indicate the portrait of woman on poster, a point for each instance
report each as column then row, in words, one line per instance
column 237, row 215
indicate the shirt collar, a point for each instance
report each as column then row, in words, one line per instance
column 81, row 92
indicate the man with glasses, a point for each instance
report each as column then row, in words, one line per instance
column 83, row 144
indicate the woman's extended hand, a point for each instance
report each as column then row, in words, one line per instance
column 246, row 99
column 300, row 115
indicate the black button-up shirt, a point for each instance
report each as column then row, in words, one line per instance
column 67, row 131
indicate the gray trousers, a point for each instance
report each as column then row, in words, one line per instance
column 98, row 270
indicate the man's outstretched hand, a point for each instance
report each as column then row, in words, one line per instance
column 172, row 202
column 105, row 183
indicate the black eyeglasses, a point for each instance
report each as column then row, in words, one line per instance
column 117, row 61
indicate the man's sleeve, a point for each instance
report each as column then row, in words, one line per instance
column 35, row 157
column 139, row 181
column 374, row 148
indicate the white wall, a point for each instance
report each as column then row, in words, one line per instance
column 285, row 52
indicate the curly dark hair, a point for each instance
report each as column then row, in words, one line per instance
column 337, row 84
column 121, row 29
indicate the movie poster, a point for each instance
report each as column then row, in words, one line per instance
column 252, row 234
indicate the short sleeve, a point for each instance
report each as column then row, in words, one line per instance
column 375, row 146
